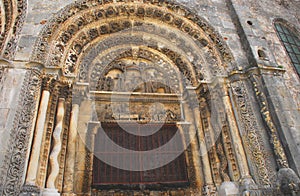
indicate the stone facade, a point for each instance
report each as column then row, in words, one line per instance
column 216, row 69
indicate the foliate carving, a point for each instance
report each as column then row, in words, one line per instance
column 91, row 12
column 48, row 82
column 265, row 112
column 251, row 137
column 20, row 134
column 30, row 190
column 14, row 12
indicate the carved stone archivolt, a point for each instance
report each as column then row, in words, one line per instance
column 11, row 23
column 78, row 27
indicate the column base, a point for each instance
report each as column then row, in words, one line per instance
column 50, row 192
column 288, row 182
column 30, row 190
column 229, row 188
column 209, row 189
column 248, row 187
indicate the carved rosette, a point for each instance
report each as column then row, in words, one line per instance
column 20, row 134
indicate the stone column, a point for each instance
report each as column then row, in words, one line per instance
column 193, row 142
column 30, row 182
column 70, row 159
column 246, row 180
column 237, row 141
column 39, row 129
column 208, row 181
column 208, row 187
column 54, row 163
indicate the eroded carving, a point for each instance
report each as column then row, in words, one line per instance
column 93, row 11
column 265, row 112
column 143, row 112
column 250, row 135
column 14, row 12
column 20, row 133
column 128, row 75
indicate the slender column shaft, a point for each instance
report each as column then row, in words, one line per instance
column 237, row 141
column 54, row 164
column 36, row 147
column 193, row 143
column 70, row 160
column 203, row 150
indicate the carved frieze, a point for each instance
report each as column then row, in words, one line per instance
column 272, row 130
column 139, row 111
column 20, row 134
column 250, row 134
column 127, row 75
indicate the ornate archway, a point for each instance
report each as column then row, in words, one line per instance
column 149, row 50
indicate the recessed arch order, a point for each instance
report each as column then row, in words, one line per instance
column 74, row 38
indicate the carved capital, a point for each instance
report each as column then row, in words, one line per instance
column 65, row 91
column 48, row 82
column 79, row 93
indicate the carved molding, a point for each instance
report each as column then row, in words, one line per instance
column 249, row 133
column 229, row 150
column 20, row 134
column 77, row 26
column 14, row 16
column 266, row 116
column 45, row 148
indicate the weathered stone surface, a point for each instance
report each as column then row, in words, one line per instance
column 217, row 66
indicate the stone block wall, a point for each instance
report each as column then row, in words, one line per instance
column 246, row 26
